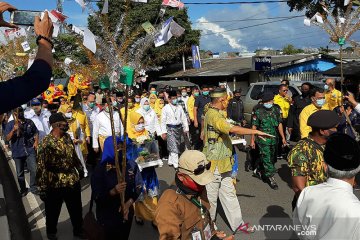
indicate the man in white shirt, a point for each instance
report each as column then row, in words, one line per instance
column 330, row 209
column 174, row 125
column 102, row 128
column 45, row 116
column 34, row 114
column 185, row 97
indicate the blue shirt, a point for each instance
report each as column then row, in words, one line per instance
column 22, row 145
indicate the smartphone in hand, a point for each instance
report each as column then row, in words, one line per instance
column 24, row 17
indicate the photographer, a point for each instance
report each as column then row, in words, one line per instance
column 37, row 78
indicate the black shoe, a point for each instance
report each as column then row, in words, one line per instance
column 23, row 193
column 257, row 173
column 80, row 235
column 273, row 183
column 52, row 236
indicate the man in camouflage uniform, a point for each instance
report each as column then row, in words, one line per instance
column 306, row 158
column 267, row 118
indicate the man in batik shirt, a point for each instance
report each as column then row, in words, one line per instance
column 306, row 158
column 58, row 177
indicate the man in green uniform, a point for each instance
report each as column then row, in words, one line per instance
column 306, row 158
column 268, row 119
column 218, row 150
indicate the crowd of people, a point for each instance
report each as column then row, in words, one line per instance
column 60, row 142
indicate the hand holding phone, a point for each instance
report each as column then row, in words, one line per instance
column 3, row 8
column 44, row 27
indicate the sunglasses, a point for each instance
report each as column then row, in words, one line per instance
column 285, row 90
column 199, row 170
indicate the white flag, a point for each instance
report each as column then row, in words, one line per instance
column 105, row 9
column 342, row 20
column 346, row 2
column 81, row 3
column 25, row 45
column 56, row 30
column 89, row 40
column 307, row 22
column 165, row 34
column 175, row 29
column 319, row 18
column 68, row 61
column 139, row 1
column 77, row 30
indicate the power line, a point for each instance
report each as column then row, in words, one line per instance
column 246, row 19
column 256, row 25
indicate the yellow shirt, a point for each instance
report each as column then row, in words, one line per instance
column 304, row 116
column 218, row 146
column 333, row 99
column 284, row 105
column 190, row 107
column 63, row 108
column 83, row 120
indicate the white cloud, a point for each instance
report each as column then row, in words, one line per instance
column 217, row 37
column 208, row 27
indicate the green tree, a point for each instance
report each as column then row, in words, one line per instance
column 138, row 13
column 313, row 6
column 290, row 49
column 67, row 45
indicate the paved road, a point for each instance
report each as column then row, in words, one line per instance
column 260, row 205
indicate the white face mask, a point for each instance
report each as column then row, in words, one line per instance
column 68, row 115
column 140, row 127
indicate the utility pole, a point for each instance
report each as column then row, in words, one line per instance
column 59, row 5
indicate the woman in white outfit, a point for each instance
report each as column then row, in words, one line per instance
column 152, row 124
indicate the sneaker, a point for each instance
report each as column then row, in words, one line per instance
column 273, row 183
column 52, row 236
column 257, row 173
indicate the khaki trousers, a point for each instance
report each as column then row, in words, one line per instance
column 224, row 189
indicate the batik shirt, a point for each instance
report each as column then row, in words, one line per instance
column 306, row 160
column 267, row 120
column 58, row 164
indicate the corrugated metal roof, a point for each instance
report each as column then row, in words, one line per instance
column 349, row 69
column 230, row 66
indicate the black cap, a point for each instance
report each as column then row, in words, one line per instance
column 56, row 117
column 323, row 119
column 172, row 93
column 342, row 152
column 267, row 96
column 237, row 91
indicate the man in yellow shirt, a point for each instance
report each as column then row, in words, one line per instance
column 318, row 102
column 283, row 100
column 332, row 95
column 218, row 150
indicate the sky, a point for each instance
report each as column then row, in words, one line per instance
column 220, row 33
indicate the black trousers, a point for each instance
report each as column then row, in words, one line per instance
column 121, row 231
column 162, row 147
column 92, row 157
column 195, row 136
column 53, row 203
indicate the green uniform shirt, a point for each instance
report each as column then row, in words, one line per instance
column 306, row 159
column 218, row 146
column 267, row 120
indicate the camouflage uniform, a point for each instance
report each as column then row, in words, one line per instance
column 267, row 120
column 306, row 159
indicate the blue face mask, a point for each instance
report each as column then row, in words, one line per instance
column 146, row 107
column 320, row 102
column 268, row 105
column 205, row 93
column 174, row 102
column 326, row 87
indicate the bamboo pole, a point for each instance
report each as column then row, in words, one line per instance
column 120, row 175
column 125, row 129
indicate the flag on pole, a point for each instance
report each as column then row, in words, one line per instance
column 196, row 56
column 173, row 3
column 169, row 29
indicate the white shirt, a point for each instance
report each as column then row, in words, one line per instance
column 331, row 208
column 44, row 117
column 37, row 120
column 102, row 126
column 185, row 100
column 357, row 108
column 91, row 114
column 173, row 115
column 152, row 124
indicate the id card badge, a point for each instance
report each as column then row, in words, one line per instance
column 207, row 232
column 196, row 234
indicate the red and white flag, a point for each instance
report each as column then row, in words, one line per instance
column 173, row 3
column 61, row 17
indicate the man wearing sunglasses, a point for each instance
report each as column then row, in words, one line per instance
column 183, row 210
column 219, row 151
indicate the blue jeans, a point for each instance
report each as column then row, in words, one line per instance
column 31, row 164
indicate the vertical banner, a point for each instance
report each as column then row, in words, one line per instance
column 196, row 56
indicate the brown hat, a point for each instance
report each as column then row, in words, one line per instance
column 191, row 161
